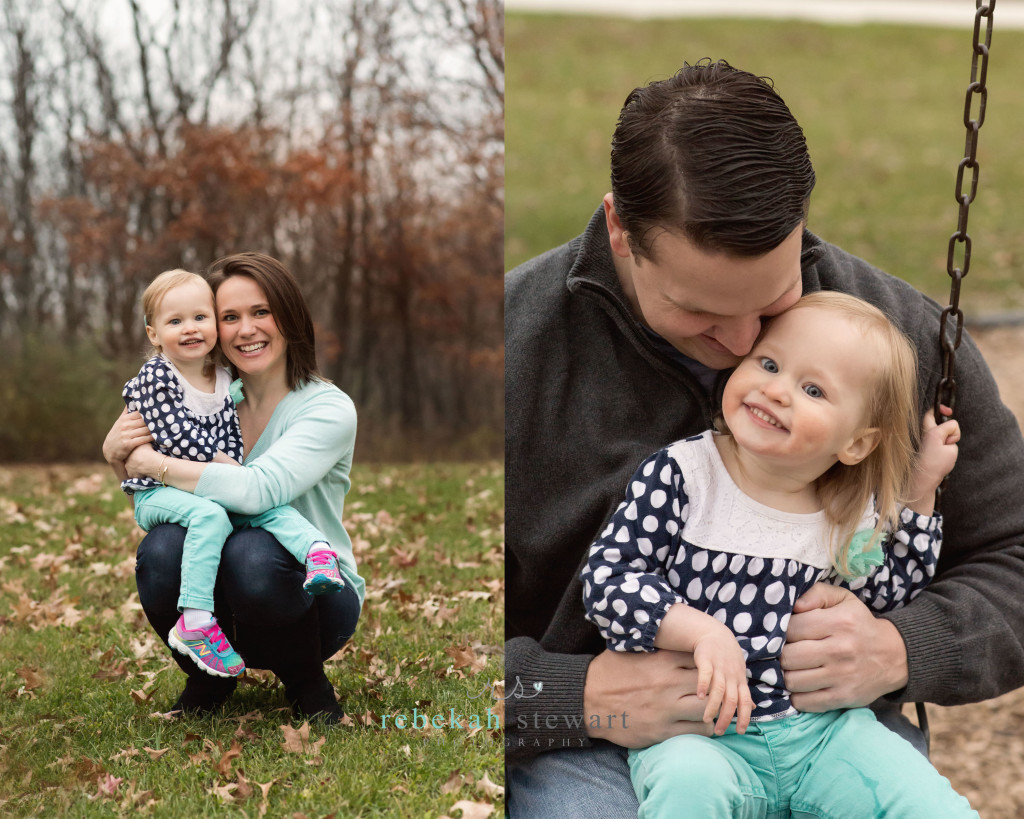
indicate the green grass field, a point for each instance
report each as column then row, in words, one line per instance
column 881, row 106
column 83, row 680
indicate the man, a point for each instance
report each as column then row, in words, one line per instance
column 620, row 342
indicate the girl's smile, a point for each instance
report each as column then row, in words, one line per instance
column 183, row 327
column 764, row 417
column 799, row 400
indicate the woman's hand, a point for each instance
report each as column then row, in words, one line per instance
column 128, row 433
column 144, row 462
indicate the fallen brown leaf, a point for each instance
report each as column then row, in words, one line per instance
column 107, row 785
column 453, row 784
column 466, row 657
column 296, row 740
column 224, row 766
column 244, row 788
column 489, row 788
column 33, row 677
column 473, row 810
column 224, row 792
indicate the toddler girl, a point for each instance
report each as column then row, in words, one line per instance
column 189, row 406
column 718, row 536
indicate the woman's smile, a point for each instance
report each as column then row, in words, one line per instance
column 249, row 335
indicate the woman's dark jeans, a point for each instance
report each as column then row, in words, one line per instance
column 259, row 603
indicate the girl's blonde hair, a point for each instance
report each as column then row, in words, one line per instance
column 885, row 474
column 154, row 294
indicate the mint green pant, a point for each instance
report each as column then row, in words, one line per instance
column 208, row 526
column 841, row 764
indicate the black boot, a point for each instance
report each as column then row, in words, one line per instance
column 313, row 699
column 204, row 694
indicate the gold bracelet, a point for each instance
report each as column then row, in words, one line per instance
column 163, row 470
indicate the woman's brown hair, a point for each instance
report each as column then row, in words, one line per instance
column 287, row 305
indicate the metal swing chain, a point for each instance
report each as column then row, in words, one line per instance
column 945, row 392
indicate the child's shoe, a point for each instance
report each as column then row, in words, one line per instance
column 322, row 574
column 208, row 648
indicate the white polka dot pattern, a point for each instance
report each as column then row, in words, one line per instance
column 179, row 430
column 641, row 565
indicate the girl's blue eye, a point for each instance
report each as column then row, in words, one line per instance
column 769, row 366
column 814, row 391
column 173, row 322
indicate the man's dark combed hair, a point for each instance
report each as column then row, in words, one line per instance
column 712, row 153
column 287, row 306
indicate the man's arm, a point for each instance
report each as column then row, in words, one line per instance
column 544, row 699
column 633, row 700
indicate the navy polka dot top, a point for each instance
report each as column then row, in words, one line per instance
column 185, row 422
column 686, row 534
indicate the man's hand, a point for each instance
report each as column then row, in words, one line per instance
column 838, row 654
column 653, row 697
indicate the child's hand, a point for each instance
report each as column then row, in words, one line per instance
column 722, row 679
column 936, row 459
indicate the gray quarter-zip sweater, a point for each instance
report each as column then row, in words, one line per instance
column 588, row 396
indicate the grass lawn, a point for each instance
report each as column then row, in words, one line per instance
column 881, row 106
column 83, row 680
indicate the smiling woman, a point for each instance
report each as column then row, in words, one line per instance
column 263, row 319
column 279, row 569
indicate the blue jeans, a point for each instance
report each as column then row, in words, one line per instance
column 586, row 783
column 209, row 525
column 258, row 601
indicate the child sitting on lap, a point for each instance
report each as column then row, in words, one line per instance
column 718, row 536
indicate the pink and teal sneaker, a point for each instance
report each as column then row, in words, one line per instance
column 208, row 648
column 322, row 574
